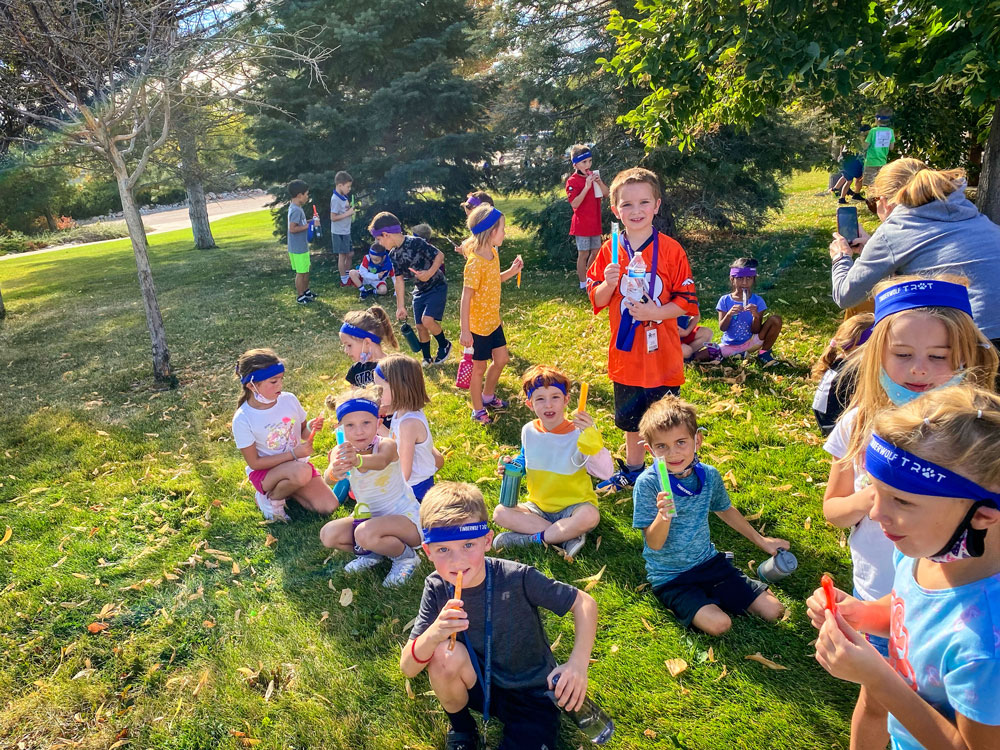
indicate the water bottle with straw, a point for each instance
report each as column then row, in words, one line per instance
column 590, row 718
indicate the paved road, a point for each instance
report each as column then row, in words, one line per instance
column 169, row 221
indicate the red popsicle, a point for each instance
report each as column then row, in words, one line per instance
column 831, row 599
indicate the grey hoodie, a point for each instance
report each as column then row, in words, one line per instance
column 948, row 236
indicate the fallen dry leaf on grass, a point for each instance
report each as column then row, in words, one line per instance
column 597, row 544
column 807, row 524
column 730, row 478
column 6, row 536
column 269, row 692
column 782, row 488
column 270, row 540
column 207, row 624
column 614, row 648
column 325, row 617
column 346, row 597
column 593, row 580
column 648, row 627
column 724, row 672
column 202, row 681
column 409, row 691
column 711, row 654
column 97, row 627
column 765, row 661
column 236, row 569
column 675, row 666
column 650, row 733
column 556, row 642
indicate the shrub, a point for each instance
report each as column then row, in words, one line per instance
column 15, row 242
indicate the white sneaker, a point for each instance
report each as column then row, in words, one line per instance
column 273, row 510
column 401, row 570
column 362, row 562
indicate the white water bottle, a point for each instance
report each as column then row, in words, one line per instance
column 635, row 278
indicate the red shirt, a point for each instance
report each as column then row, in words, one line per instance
column 587, row 216
column 674, row 283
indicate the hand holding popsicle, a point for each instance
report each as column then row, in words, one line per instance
column 458, row 595
column 826, row 581
column 665, row 499
column 614, row 243
column 584, row 392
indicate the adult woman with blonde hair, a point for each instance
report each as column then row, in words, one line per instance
column 928, row 227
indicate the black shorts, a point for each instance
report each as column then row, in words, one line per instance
column 483, row 346
column 530, row 720
column 716, row 581
column 631, row 402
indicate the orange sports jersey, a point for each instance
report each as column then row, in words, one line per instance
column 674, row 283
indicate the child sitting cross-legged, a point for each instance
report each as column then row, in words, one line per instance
column 689, row 576
column 558, row 456
column 502, row 663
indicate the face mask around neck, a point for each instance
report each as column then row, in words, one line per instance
column 900, row 394
column 261, row 399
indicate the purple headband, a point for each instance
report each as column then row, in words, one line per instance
column 737, row 273
column 472, row 201
column 394, row 229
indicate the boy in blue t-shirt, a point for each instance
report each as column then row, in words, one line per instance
column 741, row 320
column 298, row 240
column 689, row 576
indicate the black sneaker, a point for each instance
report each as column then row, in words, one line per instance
column 858, row 197
column 842, row 201
column 303, row 299
column 461, row 741
column 443, row 352
column 309, row 293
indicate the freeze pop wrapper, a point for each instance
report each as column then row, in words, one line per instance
column 614, row 242
column 661, row 468
column 458, row 595
column 584, row 391
column 831, row 598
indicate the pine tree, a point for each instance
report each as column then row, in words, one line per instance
column 395, row 112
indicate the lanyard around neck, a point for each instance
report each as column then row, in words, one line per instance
column 484, row 679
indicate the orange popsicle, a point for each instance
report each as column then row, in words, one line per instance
column 458, row 595
column 584, row 391
column 831, row 599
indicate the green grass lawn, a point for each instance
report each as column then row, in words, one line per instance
column 128, row 507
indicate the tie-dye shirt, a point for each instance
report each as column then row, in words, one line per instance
column 945, row 643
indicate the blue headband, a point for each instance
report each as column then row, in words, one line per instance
column 925, row 293
column 539, row 382
column 582, row 156
column 359, row 333
column 356, row 404
column 491, row 218
column 908, row 473
column 454, row 533
column 264, row 374
column 380, row 373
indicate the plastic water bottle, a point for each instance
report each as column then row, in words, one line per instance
column 598, row 193
column 590, row 718
column 781, row 565
column 410, row 335
column 635, row 278
column 510, row 487
column 360, row 516
column 318, row 227
column 464, row 377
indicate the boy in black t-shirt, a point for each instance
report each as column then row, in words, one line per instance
column 416, row 260
column 501, row 597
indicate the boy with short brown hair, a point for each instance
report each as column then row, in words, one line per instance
column 689, row 576
column 508, row 673
column 645, row 361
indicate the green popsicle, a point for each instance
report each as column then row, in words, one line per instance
column 661, row 467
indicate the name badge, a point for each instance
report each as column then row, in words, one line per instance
column 651, row 341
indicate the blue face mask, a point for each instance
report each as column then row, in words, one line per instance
column 900, row 394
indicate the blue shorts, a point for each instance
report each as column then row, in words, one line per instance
column 853, row 168
column 430, row 303
column 420, row 488
column 715, row 581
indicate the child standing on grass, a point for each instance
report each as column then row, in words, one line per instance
column 271, row 431
column 644, row 354
column 741, row 319
column 502, row 664
column 362, row 336
column 923, row 338
column 404, row 395
column 935, row 469
column 557, row 457
column 298, row 240
column 480, row 310
column 689, row 576
column 386, row 515
column 341, row 212
column 584, row 190
column 834, row 392
column 415, row 259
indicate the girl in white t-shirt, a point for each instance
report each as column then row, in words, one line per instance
column 386, row 517
column 923, row 338
column 271, row 431
column 405, row 396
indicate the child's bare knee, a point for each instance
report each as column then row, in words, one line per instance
column 589, row 516
column 712, row 621
column 364, row 536
column 768, row 607
column 446, row 664
column 328, row 534
column 777, row 321
column 302, row 474
column 500, row 515
column 501, row 357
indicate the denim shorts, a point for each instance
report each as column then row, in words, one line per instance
column 430, row 303
column 556, row 515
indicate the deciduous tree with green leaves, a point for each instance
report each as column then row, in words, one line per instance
column 733, row 61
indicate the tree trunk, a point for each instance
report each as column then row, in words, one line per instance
column 194, row 186
column 51, row 220
column 988, row 193
column 3, row 309
column 154, row 320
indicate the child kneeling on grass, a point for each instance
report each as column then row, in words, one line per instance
column 557, row 456
column 689, row 576
column 385, row 517
column 503, row 664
